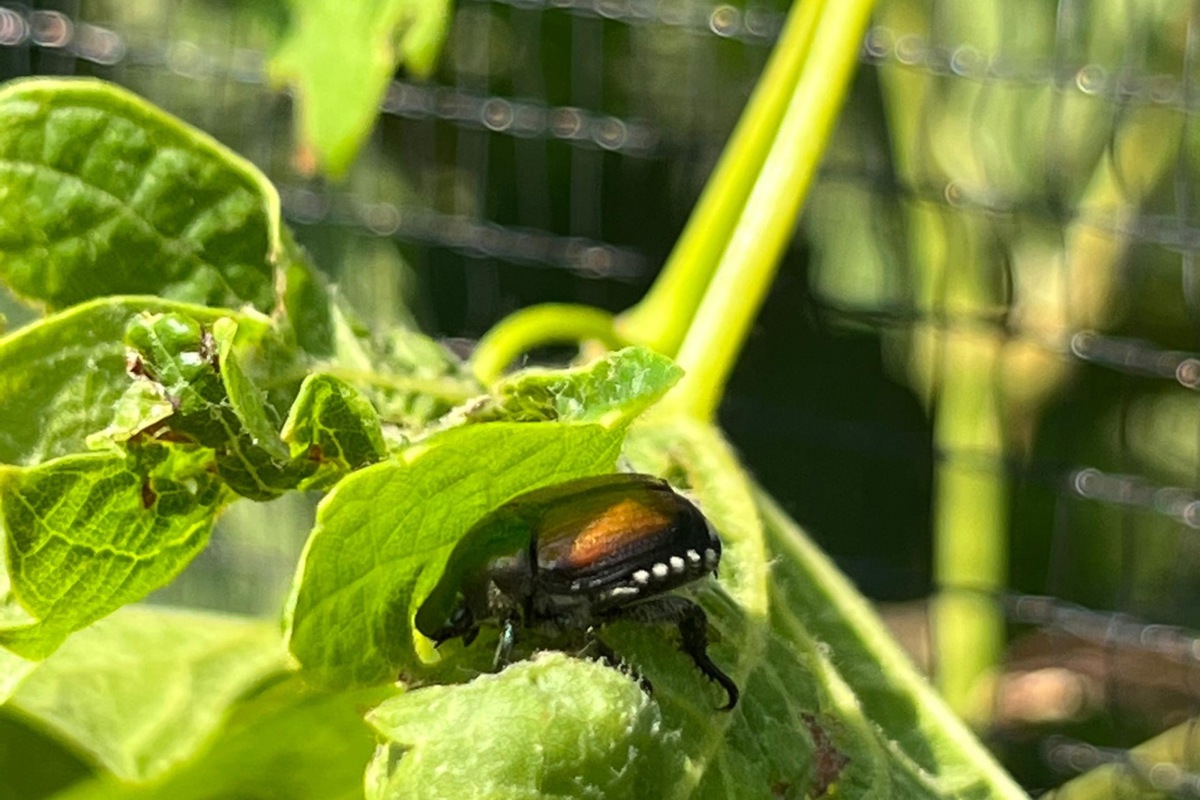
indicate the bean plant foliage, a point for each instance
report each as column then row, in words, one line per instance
column 190, row 357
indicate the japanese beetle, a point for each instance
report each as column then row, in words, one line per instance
column 574, row 557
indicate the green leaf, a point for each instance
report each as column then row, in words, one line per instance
column 818, row 670
column 905, row 735
column 179, row 358
column 411, row 379
column 252, row 458
column 334, row 426
column 143, row 407
column 61, row 377
column 210, row 400
column 213, row 403
column 13, row 670
column 145, row 688
column 258, row 418
column 307, row 304
column 384, row 533
column 590, row 393
column 34, row 764
column 569, row 728
column 287, row 743
column 190, row 385
column 86, row 534
column 102, row 193
column 340, row 57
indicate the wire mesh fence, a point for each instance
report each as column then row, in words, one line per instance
column 987, row 332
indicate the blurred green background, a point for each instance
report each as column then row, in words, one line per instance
column 974, row 381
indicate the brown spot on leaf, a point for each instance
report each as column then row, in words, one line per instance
column 149, row 496
column 828, row 761
column 315, row 453
column 134, row 365
column 209, row 350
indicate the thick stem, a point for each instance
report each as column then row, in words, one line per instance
column 765, row 225
column 539, row 325
column 662, row 318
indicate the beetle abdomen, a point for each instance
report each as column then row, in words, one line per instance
column 623, row 540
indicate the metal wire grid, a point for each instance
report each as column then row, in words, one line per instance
column 63, row 39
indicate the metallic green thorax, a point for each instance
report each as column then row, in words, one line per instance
column 504, row 532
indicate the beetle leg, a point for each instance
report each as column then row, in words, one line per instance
column 508, row 637
column 606, row 654
column 693, row 629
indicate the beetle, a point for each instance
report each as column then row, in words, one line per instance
column 573, row 557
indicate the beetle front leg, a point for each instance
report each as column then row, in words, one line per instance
column 508, row 638
column 693, row 629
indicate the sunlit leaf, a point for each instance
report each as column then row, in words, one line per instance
column 341, row 56
column 568, row 728
column 101, row 193
column 384, row 533
column 145, row 688
column 86, row 534
column 62, row 376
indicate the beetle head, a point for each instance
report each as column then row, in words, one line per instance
column 460, row 624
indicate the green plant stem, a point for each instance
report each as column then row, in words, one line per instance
column 662, row 318
column 970, row 522
column 739, row 229
column 764, row 227
column 447, row 389
column 538, row 325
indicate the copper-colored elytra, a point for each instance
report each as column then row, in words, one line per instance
column 609, row 532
